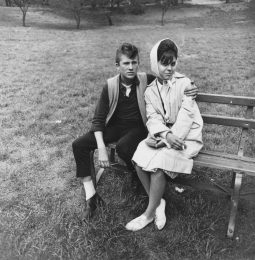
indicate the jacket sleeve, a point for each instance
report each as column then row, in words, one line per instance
column 101, row 112
column 185, row 118
column 155, row 122
column 188, row 116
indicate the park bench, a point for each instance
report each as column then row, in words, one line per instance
column 238, row 163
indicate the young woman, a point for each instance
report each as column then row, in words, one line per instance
column 175, row 133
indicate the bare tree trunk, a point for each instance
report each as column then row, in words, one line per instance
column 77, row 16
column 118, row 3
column 109, row 19
column 165, row 5
column 162, row 16
column 111, row 4
column 23, row 5
column 8, row 2
column 78, row 23
column 24, row 12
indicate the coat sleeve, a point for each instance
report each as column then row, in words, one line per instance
column 188, row 116
column 185, row 118
column 155, row 121
column 101, row 112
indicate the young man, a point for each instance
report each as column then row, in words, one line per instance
column 119, row 117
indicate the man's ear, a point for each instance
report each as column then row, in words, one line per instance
column 117, row 66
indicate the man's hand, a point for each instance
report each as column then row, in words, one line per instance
column 192, row 91
column 175, row 142
column 103, row 159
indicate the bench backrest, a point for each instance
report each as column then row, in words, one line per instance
column 247, row 122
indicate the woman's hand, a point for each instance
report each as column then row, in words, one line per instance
column 191, row 91
column 175, row 142
column 103, row 159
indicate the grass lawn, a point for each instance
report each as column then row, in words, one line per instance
column 51, row 77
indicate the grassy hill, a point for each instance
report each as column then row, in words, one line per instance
column 51, row 78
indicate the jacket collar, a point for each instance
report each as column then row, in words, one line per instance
column 176, row 76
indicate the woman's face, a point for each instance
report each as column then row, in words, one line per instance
column 166, row 71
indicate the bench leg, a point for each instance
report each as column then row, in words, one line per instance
column 112, row 155
column 95, row 175
column 92, row 168
column 237, row 182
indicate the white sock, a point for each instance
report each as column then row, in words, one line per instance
column 89, row 189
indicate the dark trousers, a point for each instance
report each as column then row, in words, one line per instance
column 127, row 141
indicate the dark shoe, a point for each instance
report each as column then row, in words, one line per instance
column 91, row 206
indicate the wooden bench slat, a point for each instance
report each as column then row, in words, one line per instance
column 229, row 156
column 234, row 163
column 229, row 121
column 226, row 99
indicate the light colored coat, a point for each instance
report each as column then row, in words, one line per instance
column 183, row 113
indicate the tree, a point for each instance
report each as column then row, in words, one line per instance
column 8, row 2
column 135, row 7
column 76, row 6
column 165, row 4
column 23, row 5
column 106, row 10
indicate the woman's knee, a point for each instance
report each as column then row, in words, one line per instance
column 140, row 170
column 159, row 174
column 137, row 168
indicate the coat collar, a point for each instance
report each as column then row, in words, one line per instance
column 176, row 76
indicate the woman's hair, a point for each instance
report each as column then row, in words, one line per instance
column 167, row 51
column 127, row 49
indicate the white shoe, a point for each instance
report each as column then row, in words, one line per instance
column 160, row 216
column 138, row 223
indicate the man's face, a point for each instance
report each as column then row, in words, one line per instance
column 166, row 71
column 128, row 67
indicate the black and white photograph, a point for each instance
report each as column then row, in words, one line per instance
column 127, row 129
